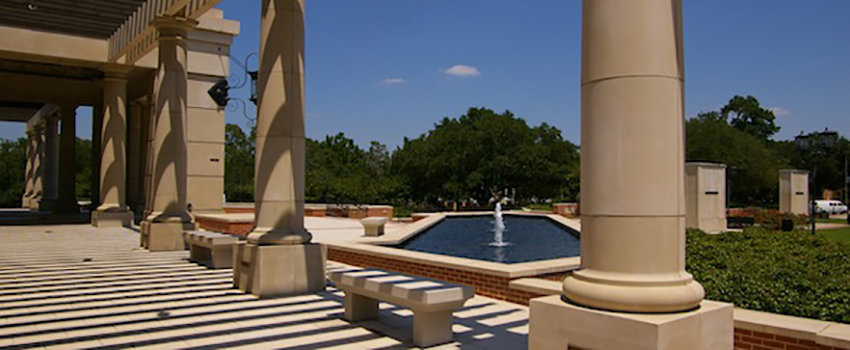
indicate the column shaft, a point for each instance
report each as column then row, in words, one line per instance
column 67, row 202
column 51, row 163
column 38, row 166
column 134, row 147
column 113, row 144
column 279, row 164
column 633, row 207
column 163, row 229
column 28, row 175
column 113, row 210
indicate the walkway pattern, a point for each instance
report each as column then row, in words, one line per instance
column 79, row 287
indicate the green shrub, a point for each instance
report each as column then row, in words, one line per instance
column 772, row 219
column 789, row 273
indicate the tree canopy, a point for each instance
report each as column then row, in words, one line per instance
column 749, row 117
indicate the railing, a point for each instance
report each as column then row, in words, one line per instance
column 137, row 36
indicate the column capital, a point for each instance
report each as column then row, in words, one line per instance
column 170, row 27
column 115, row 72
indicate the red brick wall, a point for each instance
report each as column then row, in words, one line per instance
column 490, row 286
column 752, row 340
column 237, row 210
column 236, row 228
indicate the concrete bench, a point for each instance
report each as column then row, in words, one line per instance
column 373, row 226
column 211, row 249
column 432, row 301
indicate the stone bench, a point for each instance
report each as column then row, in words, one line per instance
column 211, row 249
column 373, row 226
column 432, row 301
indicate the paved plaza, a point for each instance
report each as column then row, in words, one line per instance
column 76, row 286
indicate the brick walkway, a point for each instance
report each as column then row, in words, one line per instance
column 80, row 287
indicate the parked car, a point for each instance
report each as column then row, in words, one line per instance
column 830, row 207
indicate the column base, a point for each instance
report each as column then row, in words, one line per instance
column 47, row 205
column 164, row 236
column 34, row 203
column 25, row 203
column 557, row 324
column 102, row 218
column 279, row 270
column 66, row 207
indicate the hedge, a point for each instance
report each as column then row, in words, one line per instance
column 789, row 273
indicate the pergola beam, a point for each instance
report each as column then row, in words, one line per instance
column 137, row 36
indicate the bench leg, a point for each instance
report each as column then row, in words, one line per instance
column 222, row 257
column 432, row 328
column 360, row 308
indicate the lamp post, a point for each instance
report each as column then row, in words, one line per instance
column 815, row 144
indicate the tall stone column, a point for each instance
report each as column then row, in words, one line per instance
column 134, row 160
column 113, row 210
column 39, row 149
column 67, row 202
column 51, row 164
column 169, row 213
column 632, row 189
column 279, row 258
column 29, row 171
column 149, row 127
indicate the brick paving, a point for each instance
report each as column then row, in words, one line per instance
column 75, row 287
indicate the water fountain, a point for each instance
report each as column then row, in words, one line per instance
column 499, row 228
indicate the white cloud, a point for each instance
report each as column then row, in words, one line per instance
column 779, row 111
column 392, row 81
column 463, row 71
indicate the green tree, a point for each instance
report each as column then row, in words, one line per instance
column 481, row 153
column 749, row 117
column 13, row 158
column 84, row 169
column 238, row 164
column 753, row 168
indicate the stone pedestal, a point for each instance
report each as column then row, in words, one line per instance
column 705, row 196
column 555, row 324
column 277, row 270
column 794, row 191
column 373, row 227
column 122, row 218
column 164, row 236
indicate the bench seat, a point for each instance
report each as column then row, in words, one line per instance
column 212, row 249
column 432, row 301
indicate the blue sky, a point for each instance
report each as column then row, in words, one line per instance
column 385, row 69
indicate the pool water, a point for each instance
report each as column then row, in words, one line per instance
column 530, row 239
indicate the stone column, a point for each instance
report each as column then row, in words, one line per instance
column 97, row 132
column 29, row 172
column 51, row 164
column 633, row 202
column 134, row 150
column 632, row 189
column 38, row 167
column 150, row 126
column 169, row 216
column 67, row 202
column 278, row 258
column 113, row 210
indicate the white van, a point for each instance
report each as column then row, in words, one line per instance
column 830, row 207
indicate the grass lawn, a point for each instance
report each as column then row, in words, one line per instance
column 837, row 234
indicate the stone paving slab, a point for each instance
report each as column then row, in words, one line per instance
column 77, row 287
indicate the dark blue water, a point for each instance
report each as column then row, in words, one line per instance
column 530, row 238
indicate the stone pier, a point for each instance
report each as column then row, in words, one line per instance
column 279, row 258
column 632, row 291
